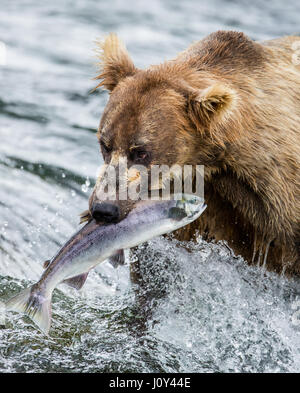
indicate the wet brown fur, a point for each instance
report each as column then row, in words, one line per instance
column 233, row 105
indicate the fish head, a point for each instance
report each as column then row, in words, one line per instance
column 186, row 208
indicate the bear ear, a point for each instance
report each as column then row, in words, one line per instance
column 209, row 107
column 114, row 63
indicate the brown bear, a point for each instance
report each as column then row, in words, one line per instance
column 232, row 105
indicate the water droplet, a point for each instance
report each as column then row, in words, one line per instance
column 189, row 344
column 63, row 175
column 84, row 188
column 59, row 199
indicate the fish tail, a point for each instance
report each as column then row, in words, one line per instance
column 35, row 304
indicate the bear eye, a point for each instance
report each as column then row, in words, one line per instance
column 105, row 148
column 140, row 156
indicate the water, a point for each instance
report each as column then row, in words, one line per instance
column 216, row 313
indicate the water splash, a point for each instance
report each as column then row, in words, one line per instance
column 208, row 310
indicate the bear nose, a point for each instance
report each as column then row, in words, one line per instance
column 106, row 212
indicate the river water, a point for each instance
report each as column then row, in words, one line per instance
column 217, row 313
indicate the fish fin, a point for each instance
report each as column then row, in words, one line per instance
column 117, row 259
column 85, row 216
column 46, row 263
column 76, row 282
column 35, row 305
